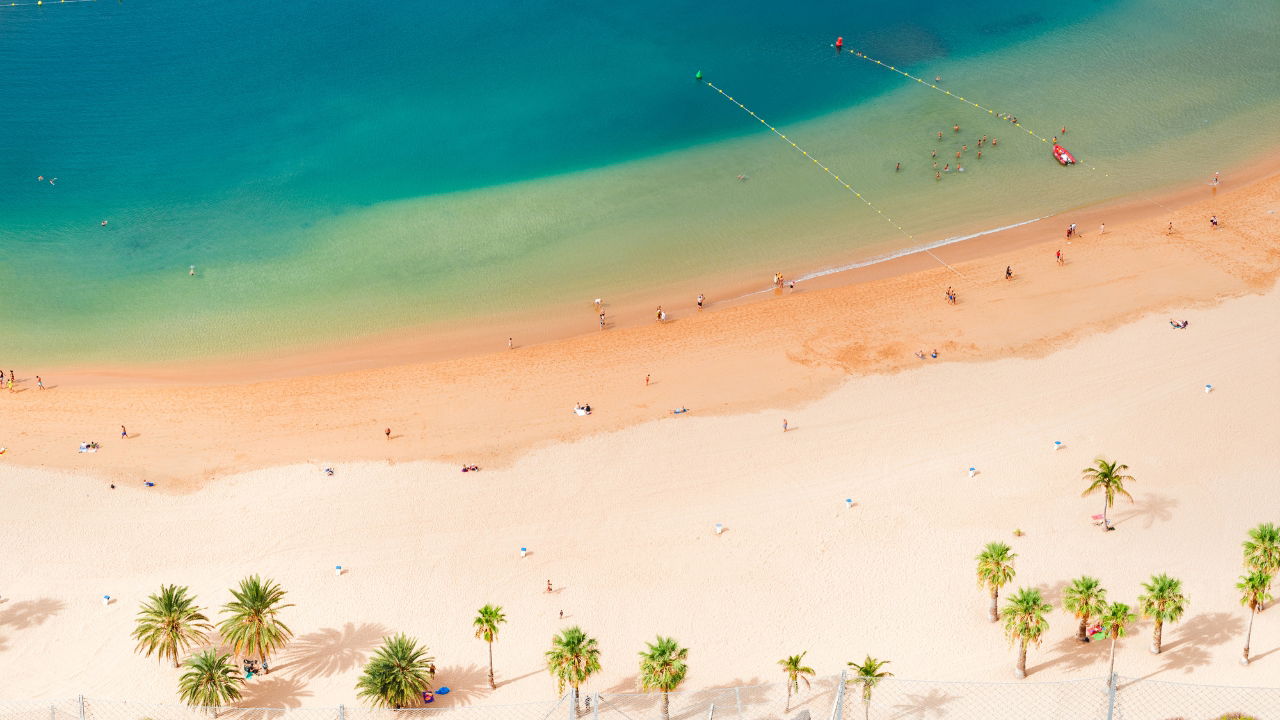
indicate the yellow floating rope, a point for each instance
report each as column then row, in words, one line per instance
column 826, row 169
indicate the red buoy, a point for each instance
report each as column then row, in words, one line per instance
column 839, row 43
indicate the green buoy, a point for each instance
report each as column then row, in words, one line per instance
column 698, row 76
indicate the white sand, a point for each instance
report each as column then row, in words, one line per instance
column 622, row 525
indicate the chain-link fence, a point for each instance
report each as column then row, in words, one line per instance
column 829, row 698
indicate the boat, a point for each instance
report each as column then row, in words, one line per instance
column 1061, row 155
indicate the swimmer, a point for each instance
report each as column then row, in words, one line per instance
column 53, row 180
column 979, row 154
column 939, row 134
column 964, row 148
column 937, row 176
column 743, row 178
column 956, row 127
column 959, row 168
column 1055, row 138
column 104, row 223
column 898, row 167
column 39, row 178
column 1064, row 129
column 935, row 164
column 937, row 78
column 957, row 153
column 946, row 168
column 191, row 271
column 995, row 141
column 933, row 153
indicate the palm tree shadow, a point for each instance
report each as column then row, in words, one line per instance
column 1074, row 655
column 29, row 613
column 626, row 685
column 921, row 706
column 274, row 691
column 331, row 651
column 465, row 683
column 1150, row 508
column 1053, row 593
column 1213, row 628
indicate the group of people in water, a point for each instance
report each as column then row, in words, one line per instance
column 964, row 148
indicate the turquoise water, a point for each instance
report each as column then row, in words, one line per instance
column 335, row 169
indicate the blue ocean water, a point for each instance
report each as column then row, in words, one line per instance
column 224, row 132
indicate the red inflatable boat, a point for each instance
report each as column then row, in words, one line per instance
column 1061, row 155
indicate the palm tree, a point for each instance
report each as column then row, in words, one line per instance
column 1109, row 478
column 572, row 659
column 1085, row 598
column 663, row 667
column 1262, row 551
column 995, row 570
column 169, row 623
column 869, row 674
column 1115, row 625
column 252, row 628
column 796, row 671
column 210, row 680
column 486, row 625
column 1024, row 621
column 398, row 673
column 1163, row 602
column 1253, row 593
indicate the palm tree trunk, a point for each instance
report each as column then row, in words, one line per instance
column 994, row 611
column 491, row 685
column 1021, row 670
column 666, row 706
column 866, row 706
column 1155, row 640
column 1248, row 636
column 1112, row 671
column 788, row 707
column 1106, row 523
column 1081, row 632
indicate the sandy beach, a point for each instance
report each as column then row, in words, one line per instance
column 617, row 508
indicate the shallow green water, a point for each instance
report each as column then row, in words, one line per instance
column 323, row 202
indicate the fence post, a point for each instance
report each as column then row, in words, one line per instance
column 342, row 712
column 737, row 700
column 573, row 703
column 711, row 712
column 80, row 702
column 595, row 706
column 1111, row 696
column 837, row 712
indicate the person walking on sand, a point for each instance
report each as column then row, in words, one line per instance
column 646, row 381
column 124, row 434
column 701, row 300
column 39, row 383
column 601, row 321
column 1212, row 221
column 1060, row 261
column 387, row 432
column 1008, row 272
column 1102, row 228
column 1170, row 230
column 784, row 424
column 548, row 586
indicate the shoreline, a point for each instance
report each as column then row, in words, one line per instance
column 796, row 347
column 480, row 336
